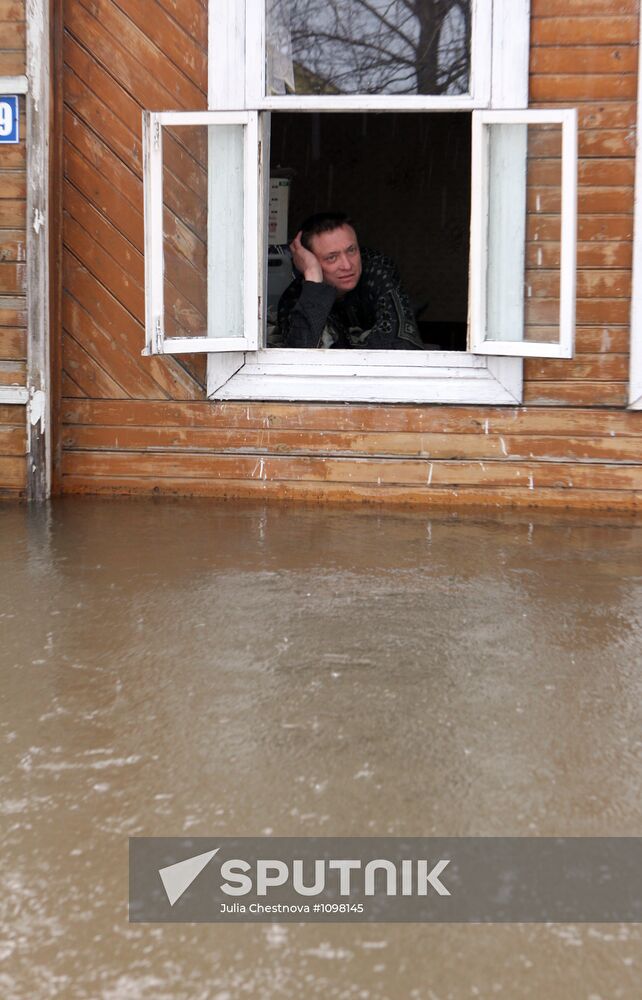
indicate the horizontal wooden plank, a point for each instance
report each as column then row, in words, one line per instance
column 433, row 498
column 605, row 340
column 591, row 228
column 607, row 115
column 13, row 245
column 595, row 172
column 602, row 284
column 411, row 472
column 13, row 34
column 579, row 8
column 12, row 278
column 590, row 283
column 12, row 10
column 597, row 30
column 603, row 368
column 13, row 440
column 599, row 312
column 576, row 393
column 570, row 87
column 12, row 62
column 592, row 201
column 13, row 373
column 13, row 343
column 13, row 183
column 604, row 200
column 12, row 414
column 605, row 172
column 592, row 59
column 13, row 157
column 13, row 311
column 606, row 255
column 13, row 473
column 355, row 417
column 606, row 142
column 12, row 213
column 452, row 446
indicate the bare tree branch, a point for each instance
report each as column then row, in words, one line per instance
column 378, row 46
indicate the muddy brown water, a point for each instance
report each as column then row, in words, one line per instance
column 213, row 669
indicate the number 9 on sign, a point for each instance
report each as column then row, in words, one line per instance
column 9, row 131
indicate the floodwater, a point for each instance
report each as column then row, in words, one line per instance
column 212, row 669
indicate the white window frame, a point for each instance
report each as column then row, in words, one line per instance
column 481, row 343
column 480, row 73
column 499, row 80
column 157, row 342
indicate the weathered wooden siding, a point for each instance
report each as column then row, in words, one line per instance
column 133, row 425
column 13, row 317
column 584, row 55
column 118, row 59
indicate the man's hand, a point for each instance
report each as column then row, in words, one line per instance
column 305, row 261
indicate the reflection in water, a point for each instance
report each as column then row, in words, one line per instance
column 174, row 668
column 368, row 46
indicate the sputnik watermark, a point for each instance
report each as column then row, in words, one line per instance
column 241, row 880
column 445, row 880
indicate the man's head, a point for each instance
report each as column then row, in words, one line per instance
column 331, row 237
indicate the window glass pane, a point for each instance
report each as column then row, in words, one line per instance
column 203, row 230
column 368, row 46
column 524, row 233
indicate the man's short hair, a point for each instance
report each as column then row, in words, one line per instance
column 323, row 222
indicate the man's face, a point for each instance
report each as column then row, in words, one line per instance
column 339, row 256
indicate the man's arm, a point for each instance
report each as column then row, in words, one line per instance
column 304, row 307
column 302, row 319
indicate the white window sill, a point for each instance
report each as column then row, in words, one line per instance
column 365, row 376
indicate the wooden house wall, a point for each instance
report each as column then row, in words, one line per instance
column 137, row 425
column 13, row 321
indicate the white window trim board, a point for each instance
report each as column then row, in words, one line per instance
column 14, row 85
column 14, row 394
column 635, row 371
column 39, row 442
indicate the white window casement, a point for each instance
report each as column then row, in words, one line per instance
column 206, row 194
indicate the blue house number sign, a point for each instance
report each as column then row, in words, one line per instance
column 9, row 119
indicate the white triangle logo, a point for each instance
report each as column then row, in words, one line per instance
column 177, row 878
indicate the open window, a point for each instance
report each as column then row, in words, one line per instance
column 207, row 195
column 523, row 233
column 202, row 232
